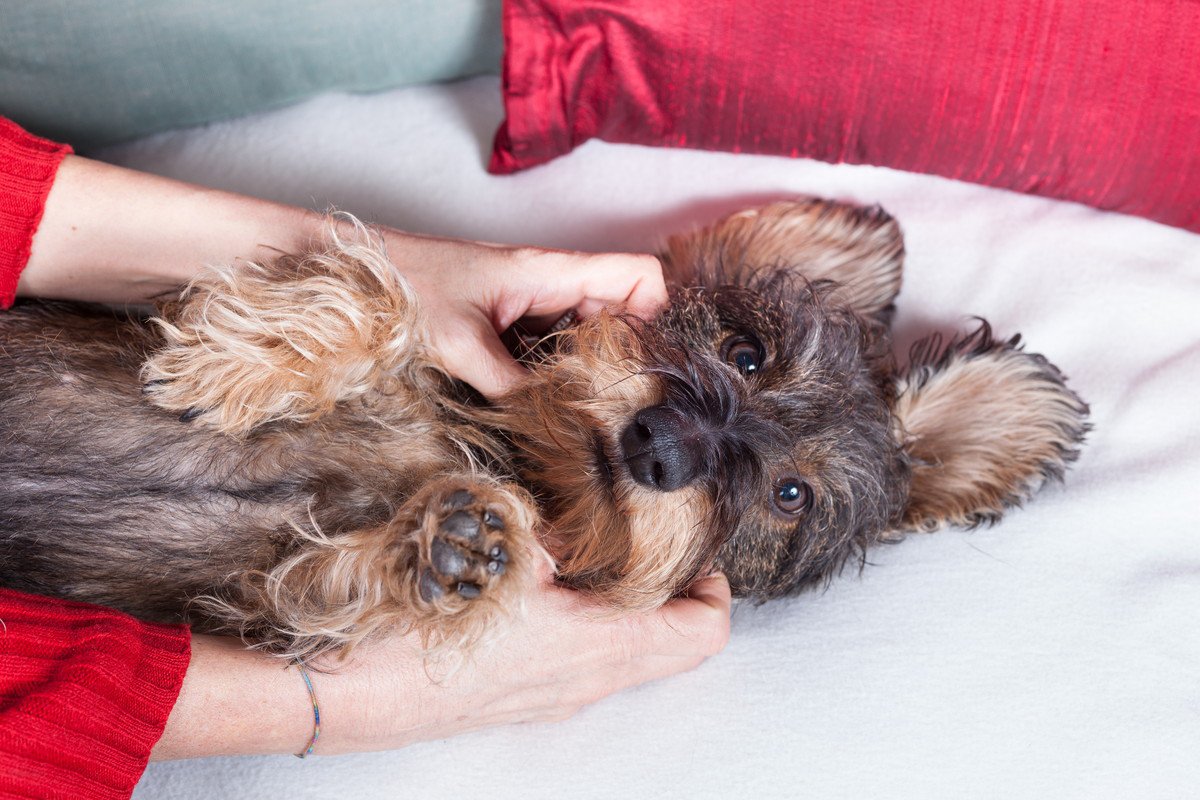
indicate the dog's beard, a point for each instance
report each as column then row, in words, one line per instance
column 633, row 546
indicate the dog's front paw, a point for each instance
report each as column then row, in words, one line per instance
column 288, row 341
column 475, row 536
column 169, row 395
column 468, row 551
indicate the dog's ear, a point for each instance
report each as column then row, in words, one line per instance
column 860, row 249
column 985, row 424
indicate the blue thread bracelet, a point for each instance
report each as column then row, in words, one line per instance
column 312, row 693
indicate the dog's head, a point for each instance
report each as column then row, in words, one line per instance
column 760, row 425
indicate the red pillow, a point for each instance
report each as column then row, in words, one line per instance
column 1093, row 102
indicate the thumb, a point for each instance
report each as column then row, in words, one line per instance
column 701, row 618
column 482, row 361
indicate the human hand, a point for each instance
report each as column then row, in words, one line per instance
column 472, row 292
column 567, row 652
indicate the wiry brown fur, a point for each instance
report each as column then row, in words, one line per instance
column 278, row 457
column 250, row 348
column 859, row 250
column 985, row 425
column 633, row 546
column 293, row 509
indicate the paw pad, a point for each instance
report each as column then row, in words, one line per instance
column 467, row 552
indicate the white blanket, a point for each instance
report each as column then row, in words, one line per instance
column 1055, row 655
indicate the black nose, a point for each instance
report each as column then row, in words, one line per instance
column 662, row 449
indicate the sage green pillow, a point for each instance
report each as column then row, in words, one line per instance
column 93, row 73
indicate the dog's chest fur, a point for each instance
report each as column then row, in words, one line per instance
column 105, row 498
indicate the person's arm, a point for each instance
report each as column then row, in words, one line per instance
column 565, row 653
column 115, row 235
column 85, row 692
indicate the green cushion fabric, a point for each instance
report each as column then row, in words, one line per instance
column 93, row 73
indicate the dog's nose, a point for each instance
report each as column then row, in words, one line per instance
column 662, row 449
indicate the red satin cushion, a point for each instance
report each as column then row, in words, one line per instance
column 1093, row 102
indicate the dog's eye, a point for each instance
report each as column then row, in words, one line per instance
column 793, row 496
column 744, row 352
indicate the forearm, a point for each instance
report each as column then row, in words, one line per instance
column 111, row 234
column 236, row 701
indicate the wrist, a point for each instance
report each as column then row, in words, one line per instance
column 371, row 701
column 236, row 701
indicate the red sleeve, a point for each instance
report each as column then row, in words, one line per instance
column 84, row 694
column 27, row 168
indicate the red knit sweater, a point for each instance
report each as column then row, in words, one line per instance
column 84, row 691
column 27, row 167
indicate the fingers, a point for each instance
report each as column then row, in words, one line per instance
column 543, row 569
column 554, row 282
column 558, row 283
column 479, row 290
column 712, row 591
column 699, row 621
column 480, row 359
column 633, row 280
column 649, row 293
column 676, row 637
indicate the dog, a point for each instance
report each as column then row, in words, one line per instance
column 277, row 455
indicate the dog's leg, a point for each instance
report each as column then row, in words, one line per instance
column 456, row 556
column 251, row 343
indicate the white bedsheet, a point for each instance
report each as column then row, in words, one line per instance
column 1055, row 655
